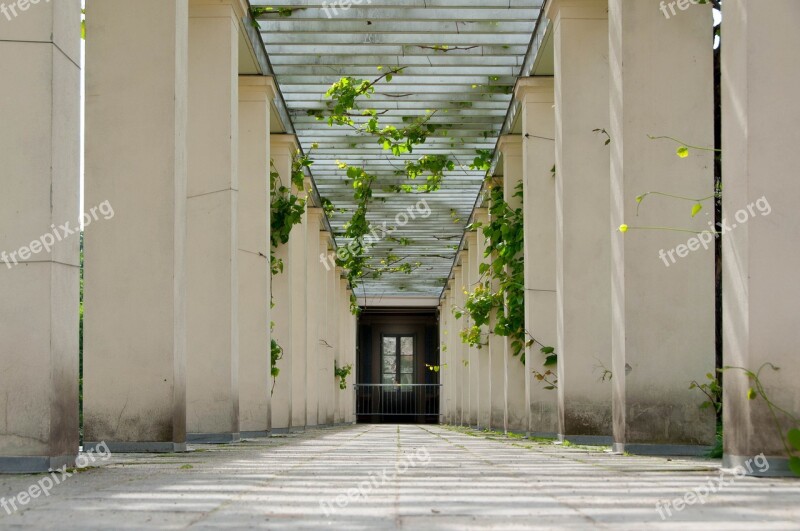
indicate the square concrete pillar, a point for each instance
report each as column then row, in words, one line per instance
column 474, row 353
column 135, row 263
column 481, row 216
column 461, row 350
column 444, row 357
column 344, row 399
column 327, row 335
column 497, row 371
column 464, row 350
column 516, row 403
column 583, row 233
column 40, row 150
column 662, row 313
column 316, row 305
column 352, row 349
column 760, row 70
column 535, row 95
column 455, row 352
column 443, row 360
column 212, row 268
column 287, row 413
column 281, row 313
column 255, row 382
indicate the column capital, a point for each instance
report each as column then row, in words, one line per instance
column 534, row 89
column 314, row 212
column 480, row 214
column 283, row 142
column 472, row 238
column 325, row 239
column 213, row 8
column 588, row 9
column 510, row 145
column 257, row 88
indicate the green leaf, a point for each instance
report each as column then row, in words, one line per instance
column 551, row 360
column 794, row 465
column 751, row 394
column 548, row 350
column 683, row 152
column 696, row 209
column 794, row 438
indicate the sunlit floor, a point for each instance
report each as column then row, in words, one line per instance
column 389, row 477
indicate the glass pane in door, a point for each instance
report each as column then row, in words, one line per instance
column 389, row 360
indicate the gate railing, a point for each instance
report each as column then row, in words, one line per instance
column 398, row 399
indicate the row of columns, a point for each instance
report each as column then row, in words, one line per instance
column 177, row 288
column 630, row 332
column 312, row 321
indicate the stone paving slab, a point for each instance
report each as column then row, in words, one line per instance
column 376, row 477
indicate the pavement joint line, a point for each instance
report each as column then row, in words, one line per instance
column 312, row 457
column 526, row 479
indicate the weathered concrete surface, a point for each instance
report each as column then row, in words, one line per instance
column 469, row 482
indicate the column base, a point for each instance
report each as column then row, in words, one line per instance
column 254, row 434
column 279, row 431
column 686, row 450
column 125, row 447
column 587, row 440
column 758, row 466
column 35, row 464
column 213, row 438
column 297, row 429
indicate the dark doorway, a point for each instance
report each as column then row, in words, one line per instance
column 398, row 352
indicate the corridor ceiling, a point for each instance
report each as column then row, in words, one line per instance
column 461, row 59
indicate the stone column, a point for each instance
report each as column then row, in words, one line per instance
column 316, row 303
column 328, row 343
column 497, row 363
column 460, row 350
column 39, row 265
column 583, row 232
column 481, row 216
column 343, row 397
column 474, row 353
column 662, row 312
column 760, row 252
column 283, row 298
column 300, row 318
column 255, row 382
column 212, row 335
column 515, row 400
column 538, row 158
column 452, row 353
column 135, row 263
column 352, row 342
column 463, row 323
column 442, row 358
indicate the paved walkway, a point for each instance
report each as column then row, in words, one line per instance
column 411, row 477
